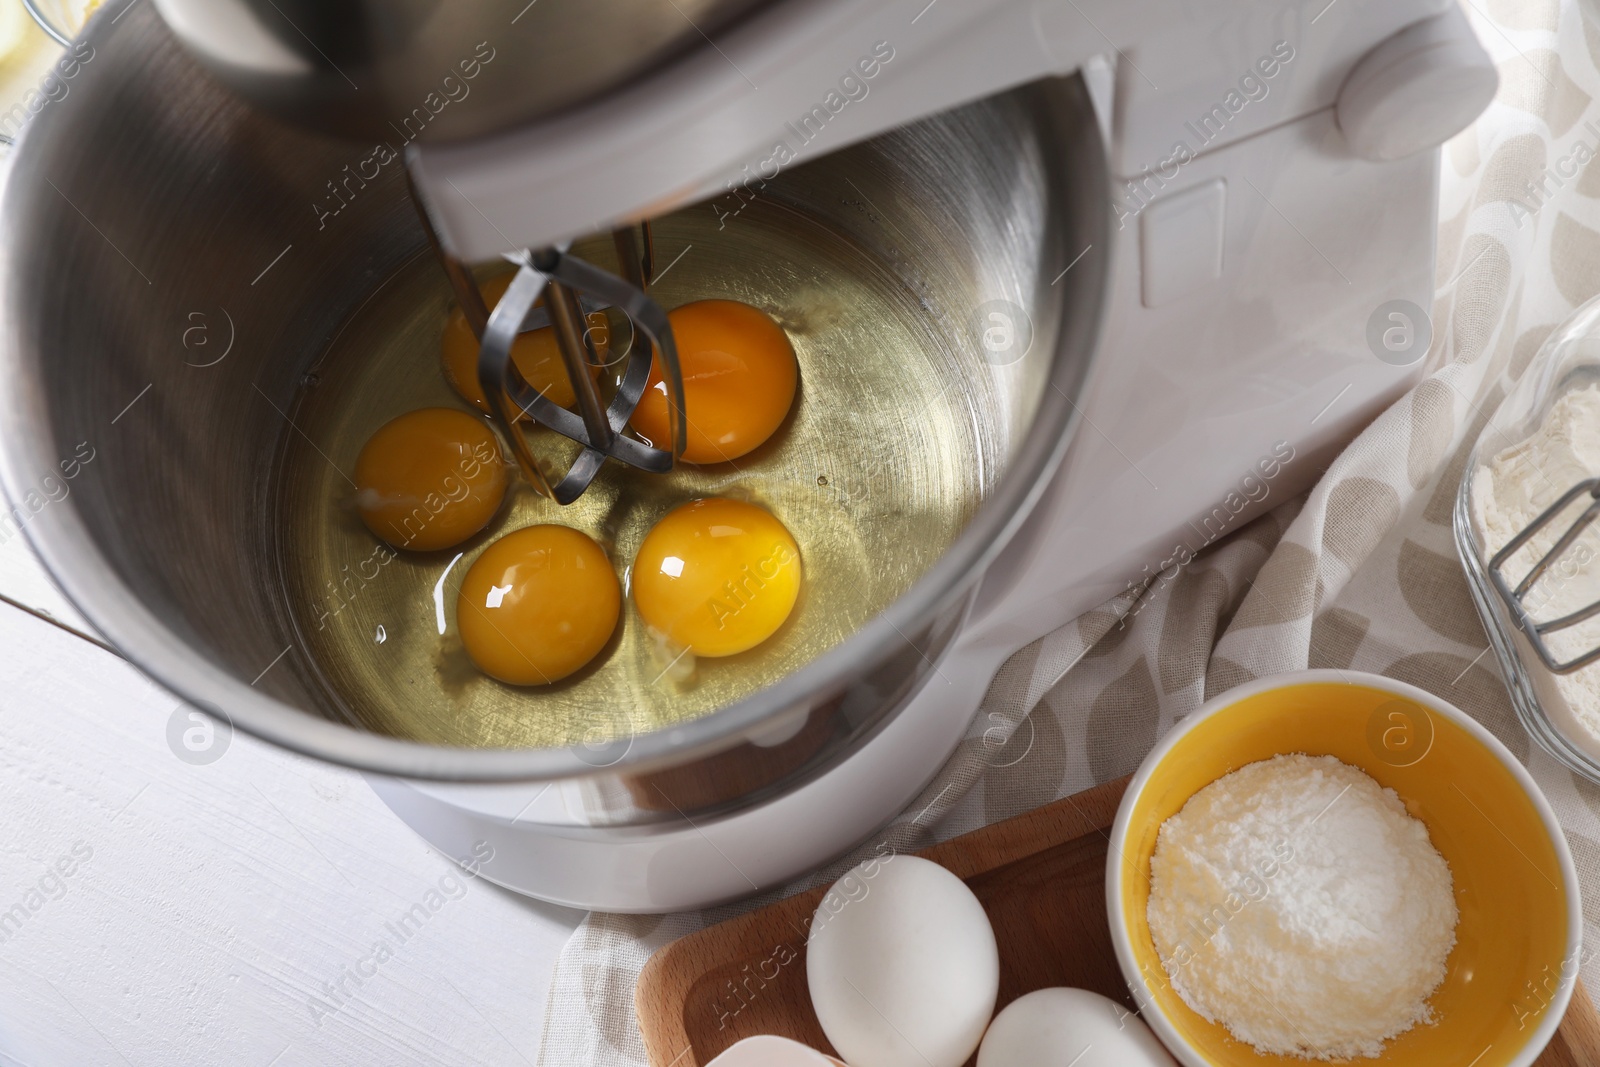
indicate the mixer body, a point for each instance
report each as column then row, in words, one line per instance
column 1099, row 167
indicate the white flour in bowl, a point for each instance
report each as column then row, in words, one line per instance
column 1509, row 492
column 1297, row 903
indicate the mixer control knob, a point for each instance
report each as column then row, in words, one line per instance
column 1416, row 89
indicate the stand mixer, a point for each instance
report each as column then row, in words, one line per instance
column 1212, row 209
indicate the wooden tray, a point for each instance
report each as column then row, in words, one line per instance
column 1041, row 878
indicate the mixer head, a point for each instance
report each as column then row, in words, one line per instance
column 435, row 72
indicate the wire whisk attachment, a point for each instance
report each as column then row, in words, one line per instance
column 1515, row 597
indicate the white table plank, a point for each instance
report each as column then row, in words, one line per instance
column 24, row 582
column 219, row 908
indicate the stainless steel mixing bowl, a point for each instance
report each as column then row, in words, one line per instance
column 149, row 212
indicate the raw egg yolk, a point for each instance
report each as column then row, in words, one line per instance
column 536, row 354
column 429, row 479
column 538, row 604
column 739, row 378
column 717, row 576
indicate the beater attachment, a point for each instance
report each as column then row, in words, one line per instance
column 573, row 289
column 1514, row 597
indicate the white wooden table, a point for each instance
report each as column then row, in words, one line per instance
column 226, row 913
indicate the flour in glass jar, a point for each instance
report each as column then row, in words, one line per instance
column 1297, row 903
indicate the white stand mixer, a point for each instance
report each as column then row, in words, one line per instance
column 1277, row 174
column 1263, row 279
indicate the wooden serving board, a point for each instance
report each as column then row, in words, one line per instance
column 1041, row 878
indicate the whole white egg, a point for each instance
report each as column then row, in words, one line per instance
column 1052, row 1027
column 902, row 965
column 770, row 1051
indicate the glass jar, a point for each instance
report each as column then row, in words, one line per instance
column 1541, row 443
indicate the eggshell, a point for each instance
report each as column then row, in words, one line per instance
column 1057, row 1026
column 770, row 1051
column 902, row 965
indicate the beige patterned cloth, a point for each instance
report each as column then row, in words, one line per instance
column 1360, row 573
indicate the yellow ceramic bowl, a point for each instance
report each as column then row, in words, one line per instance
column 1518, row 943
